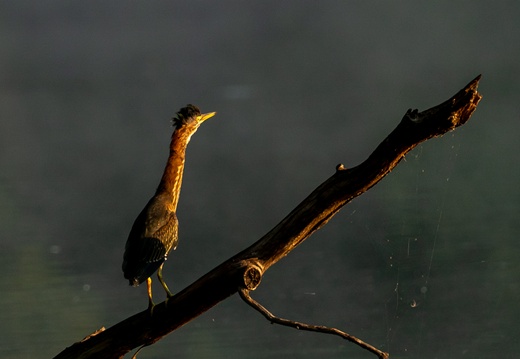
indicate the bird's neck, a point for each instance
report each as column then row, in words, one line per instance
column 172, row 177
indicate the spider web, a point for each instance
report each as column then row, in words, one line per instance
column 412, row 249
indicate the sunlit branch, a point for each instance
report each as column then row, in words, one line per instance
column 245, row 269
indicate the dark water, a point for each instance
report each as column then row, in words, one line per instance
column 423, row 265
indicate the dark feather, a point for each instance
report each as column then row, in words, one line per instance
column 153, row 235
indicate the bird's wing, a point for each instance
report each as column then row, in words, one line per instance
column 155, row 231
column 155, row 215
column 152, row 236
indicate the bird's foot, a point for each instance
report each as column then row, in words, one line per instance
column 168, row 296
column 151, row 305
column 138, row 350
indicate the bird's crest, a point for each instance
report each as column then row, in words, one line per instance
column 184, row 114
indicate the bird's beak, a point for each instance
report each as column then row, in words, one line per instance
column 205, row 116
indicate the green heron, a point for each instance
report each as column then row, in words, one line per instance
column 155, row 231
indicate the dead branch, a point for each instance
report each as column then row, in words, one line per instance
column 245, row 269
column 244, row 294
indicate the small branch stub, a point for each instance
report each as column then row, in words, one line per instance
column 100, row 330
column 413, row 115
column 252, row 277
column 340, row 167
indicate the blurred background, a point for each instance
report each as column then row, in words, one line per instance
column 424, row 265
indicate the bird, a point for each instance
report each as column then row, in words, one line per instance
column 155, row 231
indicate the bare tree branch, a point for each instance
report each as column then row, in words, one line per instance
column 244, row 294
column 245, row 269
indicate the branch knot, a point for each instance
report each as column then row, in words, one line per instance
column 252, row 275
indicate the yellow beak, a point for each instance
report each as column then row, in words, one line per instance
column 205, row 116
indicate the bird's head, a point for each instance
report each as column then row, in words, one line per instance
column 190, row 116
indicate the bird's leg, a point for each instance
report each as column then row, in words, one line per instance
column 159, row 276
column 150, row 301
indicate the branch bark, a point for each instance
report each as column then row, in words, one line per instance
column 245, row 269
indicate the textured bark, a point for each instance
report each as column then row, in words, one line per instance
column 245, row 269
